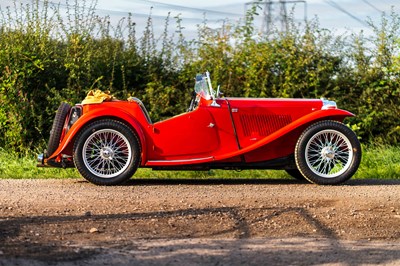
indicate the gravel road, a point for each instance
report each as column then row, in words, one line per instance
column 147, row 222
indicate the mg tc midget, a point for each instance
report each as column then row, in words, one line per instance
column 107, row 140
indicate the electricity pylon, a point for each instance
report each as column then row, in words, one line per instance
column 276, row 11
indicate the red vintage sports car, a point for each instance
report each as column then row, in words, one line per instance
column 107, row 140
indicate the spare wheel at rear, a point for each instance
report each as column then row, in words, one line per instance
column 57, row 128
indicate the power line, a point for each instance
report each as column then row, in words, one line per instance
column 118, row 12
column 179, row 7
column 371, row 5
column 124, row 13
column 335, row 5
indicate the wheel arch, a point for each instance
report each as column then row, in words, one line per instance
column 293, row 130
column 119, row 115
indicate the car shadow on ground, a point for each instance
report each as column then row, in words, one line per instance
column 21, row 238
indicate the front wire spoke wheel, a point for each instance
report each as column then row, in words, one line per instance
column 328, row 152
column 322, row 153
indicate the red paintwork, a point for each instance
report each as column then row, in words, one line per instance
column 240, row 129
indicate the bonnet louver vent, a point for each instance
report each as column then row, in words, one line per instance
column 263, row 125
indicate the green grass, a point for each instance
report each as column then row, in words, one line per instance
column 24, row 166
column 380, row 162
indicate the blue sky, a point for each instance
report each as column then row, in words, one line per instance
column 337, row 15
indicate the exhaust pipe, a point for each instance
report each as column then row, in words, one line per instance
column 66, row 162
column 40, row 160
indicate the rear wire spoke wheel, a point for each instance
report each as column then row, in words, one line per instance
column 107, row 152
column 328, row 153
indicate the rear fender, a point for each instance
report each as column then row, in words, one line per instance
column 67, row 143
column 329, row 114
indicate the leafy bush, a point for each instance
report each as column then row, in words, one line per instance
column 46, row 58
column 372, row 84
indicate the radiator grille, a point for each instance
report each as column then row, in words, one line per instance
column 263, row 125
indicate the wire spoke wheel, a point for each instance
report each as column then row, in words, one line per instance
column 328, row 153
column 106, row 153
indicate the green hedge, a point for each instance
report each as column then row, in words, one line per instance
column 46, row 58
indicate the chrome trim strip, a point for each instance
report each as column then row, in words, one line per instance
column 180, row 161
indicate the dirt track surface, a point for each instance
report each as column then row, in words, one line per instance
column 274, row 222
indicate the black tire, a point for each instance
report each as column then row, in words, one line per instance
column 328, row 153
column 295, row 174
column 57, row 128
column 109, row 162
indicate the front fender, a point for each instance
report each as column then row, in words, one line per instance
column 329, row 114
column 97, row 114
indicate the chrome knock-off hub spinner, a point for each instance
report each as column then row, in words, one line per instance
column 328, row 153
column 106, row 153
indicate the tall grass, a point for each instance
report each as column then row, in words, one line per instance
column 379, row 162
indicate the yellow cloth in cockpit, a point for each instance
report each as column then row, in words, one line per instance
column 97, row 96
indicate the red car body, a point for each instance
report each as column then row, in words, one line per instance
column 225, row 133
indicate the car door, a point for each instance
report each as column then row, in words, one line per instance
column 186, row 136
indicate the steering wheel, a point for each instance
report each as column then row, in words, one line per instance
column 194, row 101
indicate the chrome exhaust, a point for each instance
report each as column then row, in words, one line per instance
column 40, row 160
